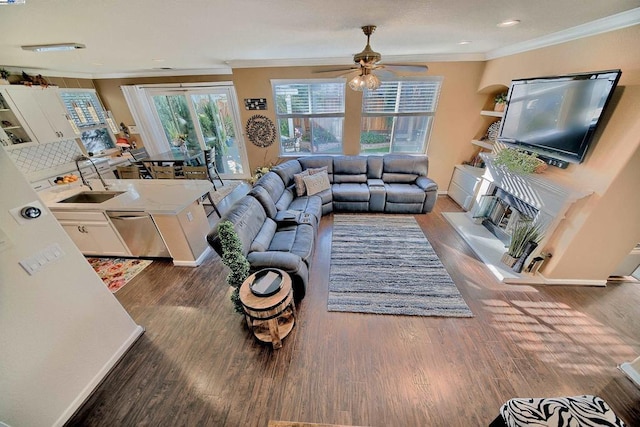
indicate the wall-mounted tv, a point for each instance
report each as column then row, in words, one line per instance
column 556, row 117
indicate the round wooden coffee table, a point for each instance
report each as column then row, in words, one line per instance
column 270, row 318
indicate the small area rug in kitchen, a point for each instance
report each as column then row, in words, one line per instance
column 116, row 272
column 384, row 264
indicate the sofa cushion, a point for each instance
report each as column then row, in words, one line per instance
column 308, row 204
column 404, row 193
column 314, row 162
column 287, row 170
column 316, row 183
column 374, row 167
column 299, row 182
column 396, row 167
column 297, row 239
column 265, row 200
column 265, row 235
column 282, row 204
column 273, row 184
column 247, row 216
column 350, row 192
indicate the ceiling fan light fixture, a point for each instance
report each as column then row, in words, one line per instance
column 365, row 80
column 357, row 83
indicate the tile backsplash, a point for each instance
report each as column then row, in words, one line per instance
column 41, row 157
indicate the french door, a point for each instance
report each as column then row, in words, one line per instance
column 202, row 118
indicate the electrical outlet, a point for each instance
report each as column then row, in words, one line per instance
column 39, row 260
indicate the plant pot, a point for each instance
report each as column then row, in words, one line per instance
column 529, row 247
column 499, row 106
column 508, row 259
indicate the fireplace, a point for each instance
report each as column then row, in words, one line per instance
column 504, row 198
column 499, row 212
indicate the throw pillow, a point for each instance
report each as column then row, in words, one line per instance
column 313, row 171
column 317, row 183
column 297, row 179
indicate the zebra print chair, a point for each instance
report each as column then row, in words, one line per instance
column 581, row 411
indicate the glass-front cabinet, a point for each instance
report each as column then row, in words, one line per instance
column 12, row 130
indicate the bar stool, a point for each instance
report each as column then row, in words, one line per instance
column 163, row 172
column 128, row 172
column 139, row 154
column 210, row 163
column 200, row 172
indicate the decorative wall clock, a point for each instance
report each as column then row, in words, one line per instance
column 260, row 131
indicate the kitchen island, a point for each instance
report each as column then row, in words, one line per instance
column 174, row 207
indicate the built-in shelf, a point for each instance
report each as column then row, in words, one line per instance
column 484, row 144
column 492, row 113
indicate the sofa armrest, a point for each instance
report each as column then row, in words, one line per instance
column 274, row 259
column 427, row 184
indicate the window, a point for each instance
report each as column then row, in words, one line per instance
column 397, row 117
column 310, row 115
column 86, row 111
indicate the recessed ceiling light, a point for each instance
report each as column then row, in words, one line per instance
column 509, row 23
column 158, row 60
column 464, row 42
column 56, row 47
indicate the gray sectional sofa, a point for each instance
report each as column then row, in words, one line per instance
column 277, row 224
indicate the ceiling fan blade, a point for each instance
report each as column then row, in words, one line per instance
column 412, row 68
column 334, row 70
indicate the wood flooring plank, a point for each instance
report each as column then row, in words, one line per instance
column 198, row 364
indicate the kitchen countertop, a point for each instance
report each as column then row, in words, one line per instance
column 155, row 196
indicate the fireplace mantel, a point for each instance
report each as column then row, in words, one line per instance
column 551, row 199
column 535, row 189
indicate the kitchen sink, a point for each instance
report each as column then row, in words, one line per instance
column 91, row 197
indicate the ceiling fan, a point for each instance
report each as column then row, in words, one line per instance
column 367, row 62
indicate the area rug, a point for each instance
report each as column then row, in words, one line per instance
column 384, row 264
column 116, row 272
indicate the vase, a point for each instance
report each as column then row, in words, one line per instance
column 528, row 248
column 508, row 259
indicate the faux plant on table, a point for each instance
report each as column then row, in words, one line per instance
column 233, row 258
column 519, row 161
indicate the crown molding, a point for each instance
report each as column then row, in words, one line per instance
column 317, row 62
column 603, row 25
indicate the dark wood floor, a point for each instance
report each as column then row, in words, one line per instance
column 197, row 363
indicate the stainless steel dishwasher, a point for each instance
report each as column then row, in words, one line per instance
column 140, row 233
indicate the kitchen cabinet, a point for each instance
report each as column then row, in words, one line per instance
column 41, row 112
column 92, row 233
column 11, row 130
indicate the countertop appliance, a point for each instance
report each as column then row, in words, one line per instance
column 139, row 233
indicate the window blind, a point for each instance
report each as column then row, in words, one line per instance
column 80, row 105
column 309, row 98
column 395, row 97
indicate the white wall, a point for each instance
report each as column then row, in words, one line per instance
column 61, row 330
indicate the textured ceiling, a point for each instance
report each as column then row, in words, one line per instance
column 125, row 37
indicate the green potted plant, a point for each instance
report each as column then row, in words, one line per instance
column 500, row 101
column 4, row 76
column 519, row 162
column 525, row 237
column 233, row 258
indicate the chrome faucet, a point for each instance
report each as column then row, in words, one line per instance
column 84, row 180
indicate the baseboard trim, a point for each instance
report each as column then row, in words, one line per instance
column 100, row 376
column 195, row 263
column 539, row 279
column 629, row 370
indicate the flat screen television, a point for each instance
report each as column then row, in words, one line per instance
column 556, row 117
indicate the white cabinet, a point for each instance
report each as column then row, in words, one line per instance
column 12, row 130
column 42, row 112
column 464, row 185
column 92, row 233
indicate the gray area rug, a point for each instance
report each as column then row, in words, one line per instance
column 384, row 264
